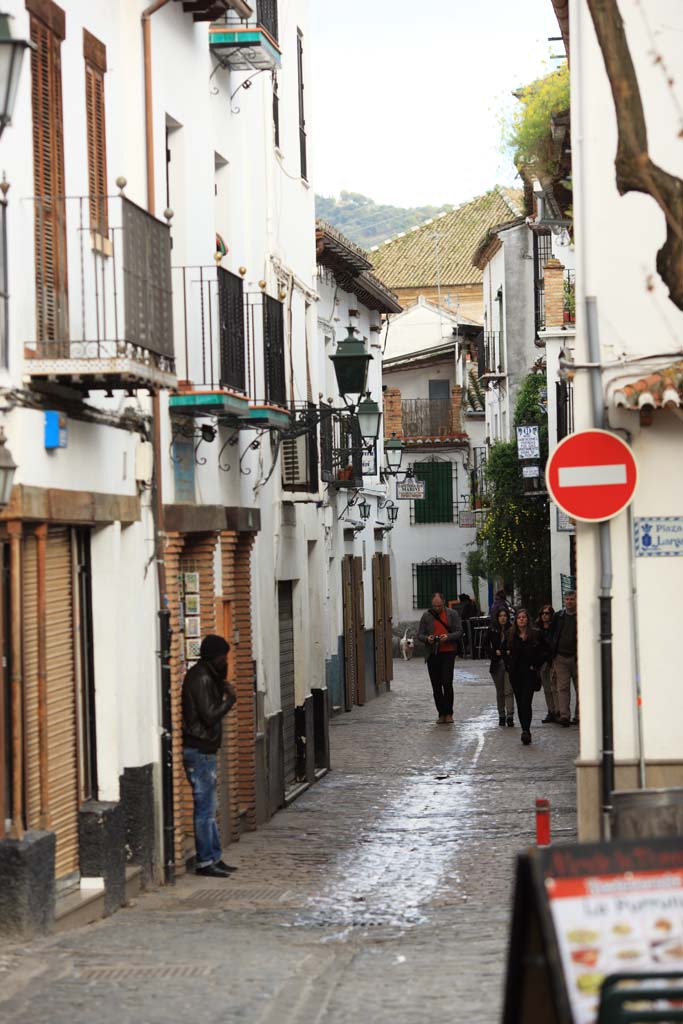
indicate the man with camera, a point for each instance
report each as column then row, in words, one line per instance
column 440, row 631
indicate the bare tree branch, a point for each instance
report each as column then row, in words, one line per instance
column 636, row 172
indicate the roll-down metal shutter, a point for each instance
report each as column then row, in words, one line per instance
column 287, row 695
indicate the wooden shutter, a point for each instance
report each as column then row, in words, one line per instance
column 287, row 690
column 48, row 175
column 378, row 618
column 95, row 66
column 349, row 634
column 388, row 617
column 359, row 627
column 437, row 504
column 29, row 582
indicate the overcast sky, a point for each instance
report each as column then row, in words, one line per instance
column 407, row 94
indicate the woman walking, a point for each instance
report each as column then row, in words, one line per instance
column 544, row 624
column 526, row 652
column 497, row 641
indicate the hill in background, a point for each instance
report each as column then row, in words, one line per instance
column 368, row 223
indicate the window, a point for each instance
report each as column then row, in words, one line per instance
column 267, row 17
column 437, row 504
column 543, row 251
column 47, row 33
column 302, row 119
column 274, row 352
column 276, row 112
column 435, row 576
column 95, row 54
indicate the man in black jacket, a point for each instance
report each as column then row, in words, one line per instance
column 564, row 666
column 207, row 698
column 440, row 631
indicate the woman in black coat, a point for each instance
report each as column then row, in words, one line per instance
column 497, row 646
column 526, row 652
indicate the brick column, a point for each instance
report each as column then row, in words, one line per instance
column 456, row 406
column 393, row 415
column 553, row 286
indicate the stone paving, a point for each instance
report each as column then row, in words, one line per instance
column 383, row 894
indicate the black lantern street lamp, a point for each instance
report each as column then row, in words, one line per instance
column 7, row 470
column 392, row 512
column 393, row 454
column 351, row 363
column 369, row 417
column 364, row 509
column 11, row 58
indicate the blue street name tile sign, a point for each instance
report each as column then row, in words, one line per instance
column 658, row 536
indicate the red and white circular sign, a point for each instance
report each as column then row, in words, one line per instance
column 592, row 475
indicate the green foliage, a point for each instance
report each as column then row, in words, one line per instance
column 515, row 534
column 368, row 223
column 527, row 133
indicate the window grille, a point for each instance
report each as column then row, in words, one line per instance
column 436, row 576
column 267, row 17
column 274, row 352
column 543, row 251
column 564, row 392
column 231, row 319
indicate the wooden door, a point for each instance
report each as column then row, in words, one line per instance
column 350, row 677
column 359, row 627
column 287, row 688
column 378, row 618
column 388, row 618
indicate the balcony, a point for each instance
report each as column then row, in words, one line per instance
column 104, row 317
column 491, row 357
column 209, row 306
column 426, row 417
column 248, row 44
column 341, row 450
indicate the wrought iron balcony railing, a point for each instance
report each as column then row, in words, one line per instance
column 246, row 44
column 341, row 449
column 426, row 417
column 492, row 357
column 209, row 304
column 104, row 317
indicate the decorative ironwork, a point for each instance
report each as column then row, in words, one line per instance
column 300, row 450
column 493, row 353
column 341, row 448
column 564, row 402
column 274, row 352
column 436, row 576
column 147, row 289
column 543, row 251
column 426, row 417
column 267, row 17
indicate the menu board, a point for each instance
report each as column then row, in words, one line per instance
column 583, row 912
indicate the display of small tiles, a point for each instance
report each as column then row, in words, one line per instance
column 191, row 582
column 192, row 604
column 193, row 626
column 192, row 650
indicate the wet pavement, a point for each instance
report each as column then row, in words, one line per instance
column 382, row 894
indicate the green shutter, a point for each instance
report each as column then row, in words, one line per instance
column 437, row 504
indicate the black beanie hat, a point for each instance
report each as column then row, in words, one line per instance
column 212, row 647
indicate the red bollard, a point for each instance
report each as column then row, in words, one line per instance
column 542, row 822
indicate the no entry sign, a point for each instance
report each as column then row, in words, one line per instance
column 592, row 475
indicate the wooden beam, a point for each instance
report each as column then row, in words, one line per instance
column 55, row 505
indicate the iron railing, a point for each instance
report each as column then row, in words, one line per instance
column 274, row 352
column 267, row 17
column 300, row 461
column 569, row 297
column 341, row 448
column 436, row 576
column 493, row 357
column 564, row 401
column 426, row 417
column 210, row 305
column 102, row 298
column 543, row 251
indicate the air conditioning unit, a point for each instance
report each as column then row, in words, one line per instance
column 295, row 462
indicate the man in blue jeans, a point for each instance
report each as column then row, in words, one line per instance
column 207, row 698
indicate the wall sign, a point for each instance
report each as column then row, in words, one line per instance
column 658, row 536
column 531, row 472
column 528, row 443
column 410, row 489
column 467, row 520
column 564, row 523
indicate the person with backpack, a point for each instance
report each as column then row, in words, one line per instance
column 440, row 631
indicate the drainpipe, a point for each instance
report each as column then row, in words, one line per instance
column 158, row 501
column 605, row 585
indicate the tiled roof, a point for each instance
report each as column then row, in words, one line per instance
column 656, row 390
column 409, row 260
column 351, row 267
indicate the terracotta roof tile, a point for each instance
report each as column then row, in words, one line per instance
column 409, row 261
column 656, row 390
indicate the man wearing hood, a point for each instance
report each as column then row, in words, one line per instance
column 207, row 698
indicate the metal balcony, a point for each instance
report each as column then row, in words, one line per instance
column 248, row 44
column 426, row 417
column 341, row 449
column 104, row 318
column 209, row 309
column 491, row 356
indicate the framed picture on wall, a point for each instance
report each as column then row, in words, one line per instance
column 192, row 604
column 192, row 626
column 191, row 582
column 192, row 649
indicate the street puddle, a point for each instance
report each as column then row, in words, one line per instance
column 393, row 872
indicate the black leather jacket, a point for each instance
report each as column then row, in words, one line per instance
column 205, row 705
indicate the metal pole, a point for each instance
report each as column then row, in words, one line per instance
column 605, row 598
column 642, row 779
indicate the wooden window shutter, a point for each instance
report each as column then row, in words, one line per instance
column 47, row 32
column 95, row 54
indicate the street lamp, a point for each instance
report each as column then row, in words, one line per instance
column 11, row 58
column 369, row 417
column 364, row 509
column 7, row 470
column 350, row 363
column 393, row 453
column 392, row 512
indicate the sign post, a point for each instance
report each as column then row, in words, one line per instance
column 592, row 475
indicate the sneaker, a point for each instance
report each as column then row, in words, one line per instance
column 550, row 717
column 223, row 866
column 510, row 721
column 526, row 738
column 564, row 722
column 212, row 871
column 501, row 721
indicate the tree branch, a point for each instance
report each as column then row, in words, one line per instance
column 635, row 171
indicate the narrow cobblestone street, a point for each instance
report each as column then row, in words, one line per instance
column 382, row 894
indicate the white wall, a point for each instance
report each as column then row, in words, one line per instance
column 421, row 326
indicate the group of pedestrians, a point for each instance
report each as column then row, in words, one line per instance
column 526, row 658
